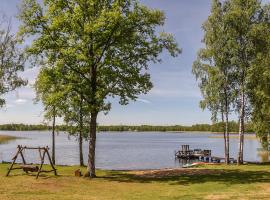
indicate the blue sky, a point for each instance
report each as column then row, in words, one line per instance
column 175, row 96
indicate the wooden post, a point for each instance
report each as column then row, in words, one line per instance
column 50, row 160
column 41, row 164
column 40, row 155
column 14, row 159
column 23, row 159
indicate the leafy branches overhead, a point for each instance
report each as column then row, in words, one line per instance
column 259, row 80
column 119, row 38
column 212, row 67
column 11, row 60
column 51, row 91
column 100, row 48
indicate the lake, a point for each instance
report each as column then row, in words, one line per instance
column 127, row 150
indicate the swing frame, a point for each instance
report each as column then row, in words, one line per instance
column 43, row 151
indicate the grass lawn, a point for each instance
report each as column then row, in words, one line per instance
column 6, row 138
column 208, row 182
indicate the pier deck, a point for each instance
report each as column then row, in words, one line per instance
column 198, row 154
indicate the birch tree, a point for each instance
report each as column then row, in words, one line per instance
column 259, row 80
column 214, row 71
column 241, row 21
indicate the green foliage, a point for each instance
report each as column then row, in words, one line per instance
column 259, row 80
column 102, row 48
column 23, row 127
column 232, row 68
column 50, row 92
column 98, row 48
column 11, row 60
column 213, row 67
column 216, row 127
column 76, row 115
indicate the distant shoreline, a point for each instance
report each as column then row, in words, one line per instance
column 144, row 131
column 233, row 133
column 207, row 128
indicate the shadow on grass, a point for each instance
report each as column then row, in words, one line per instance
column 228, row 177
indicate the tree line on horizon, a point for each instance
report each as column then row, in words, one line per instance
column 217, row 127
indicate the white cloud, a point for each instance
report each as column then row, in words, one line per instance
column 20, row 101
column 144, row 101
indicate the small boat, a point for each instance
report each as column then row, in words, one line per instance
column 188, row 165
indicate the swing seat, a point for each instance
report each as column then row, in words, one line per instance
column 29, row 168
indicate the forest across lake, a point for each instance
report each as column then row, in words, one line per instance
column 216, row 127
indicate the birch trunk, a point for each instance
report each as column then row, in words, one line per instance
column 227, row 142
column 224, row 135
column 81, row 149
column 53, row 140
column 80, row 135
column 241, row 129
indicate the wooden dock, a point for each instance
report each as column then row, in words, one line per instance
column 186, row 153
column 204, row 155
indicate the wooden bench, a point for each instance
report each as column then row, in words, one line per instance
column 29, row 168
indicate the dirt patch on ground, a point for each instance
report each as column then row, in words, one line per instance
column 217, row 197
column 175, row 172
column 266, row 187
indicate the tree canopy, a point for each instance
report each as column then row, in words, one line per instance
column 228, row 67
column 11, row 60
column 102, row 48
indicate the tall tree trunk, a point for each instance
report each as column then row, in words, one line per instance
column 81, row 148
column 241, row 128
column 91, row 166
column 224, row 135
column 53, row 139
column 80, row 136
column 227, row 160
column 268, row 142
column 91, row 170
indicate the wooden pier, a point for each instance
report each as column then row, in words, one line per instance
column 186, row 153
column 204, row 155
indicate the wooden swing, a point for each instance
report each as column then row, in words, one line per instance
column 29, row 167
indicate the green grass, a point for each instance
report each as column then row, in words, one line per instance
column 209, row 182
column 6, row 138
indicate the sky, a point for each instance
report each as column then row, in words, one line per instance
column 175, row 96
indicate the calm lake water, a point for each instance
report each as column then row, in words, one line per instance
column 126, row 150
